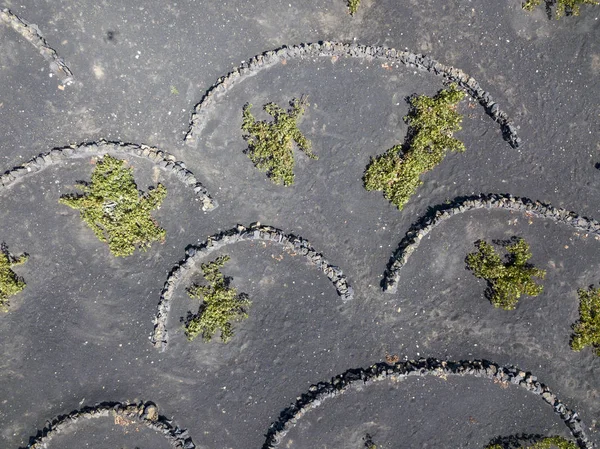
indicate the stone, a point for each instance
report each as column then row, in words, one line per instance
column 549, row 397
column 150, row 413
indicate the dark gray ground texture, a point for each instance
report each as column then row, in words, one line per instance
column 400, row 415
column 103, row 433
column 79, row 333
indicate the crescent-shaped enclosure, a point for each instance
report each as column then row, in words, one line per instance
column 241, row 234
column 162, row 159
column 426, row 224
column 33, row 35
column 355, row 378
column 337, row 50
column 144, row 413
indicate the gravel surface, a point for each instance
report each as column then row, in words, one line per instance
column 79, row 334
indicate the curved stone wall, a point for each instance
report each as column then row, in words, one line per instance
column 33, row 35
column 426, row 224
column 145, row 413
column 241, row 234
column 161, row 158
column 319, row 393
column 339, row 49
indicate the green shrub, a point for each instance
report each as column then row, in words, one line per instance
column 117, row 213
column 563, row 7
column 432, row 122
column 353, row 6
column 221, row 304
column 587, row 329
column 10, row 283
column 544, row 443
column 270, row 143
column 507, row 280
column 550, row 442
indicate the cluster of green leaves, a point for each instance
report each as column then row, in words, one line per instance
column 221, row 305
column 270, row 143
column 563, row 7
column 433, row 121
column 507, row 280
column 115, row 210
column 587, row 329
column 544, row 443
column 10, row 283
column 353, row 6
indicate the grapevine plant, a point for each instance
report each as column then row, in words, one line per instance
column 115, row 210
column 221, row 304
column 270, row 143
column 507, row 280
column 432, row 122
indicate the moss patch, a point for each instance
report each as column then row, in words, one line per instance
column 432, row 121
column 117, row 213
column 353, row 6
column 563, row 7
column 221, row 304
column 270, row 143
column 10, row 283
column 544, row 443
column 507, row 280
column 586, row 332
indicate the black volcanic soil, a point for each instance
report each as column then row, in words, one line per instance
column 79, row 333
column 431, row 412
column 108, row 433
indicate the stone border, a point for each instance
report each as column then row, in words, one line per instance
column 339, row 49
column 164, row 160
column 145, row 413
column 33, row 35
column 426, row 224
column 240, row 233
column 353, row 378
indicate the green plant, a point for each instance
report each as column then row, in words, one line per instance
column 117, row 213
column 270, row 143
column 10, row 283
column 432, row 122
column 221, row 304
column 558, row 442
column 353, row 6
column 587, row 329
column 507, row 280
column 563, row 7
column 544, row 443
